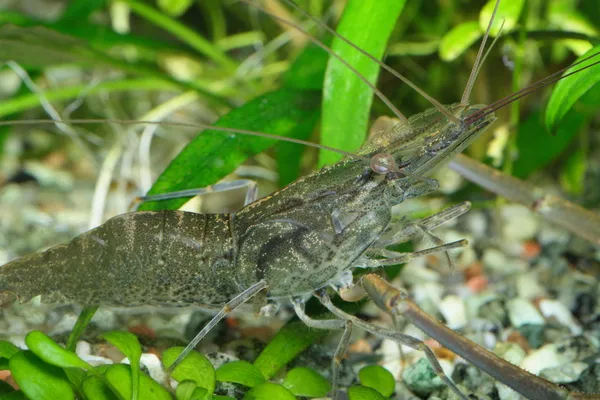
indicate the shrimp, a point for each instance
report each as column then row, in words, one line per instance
column 300, row 239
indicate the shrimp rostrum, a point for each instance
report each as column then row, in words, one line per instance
column 294, row 243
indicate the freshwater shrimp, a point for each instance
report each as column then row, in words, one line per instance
column 324, row 212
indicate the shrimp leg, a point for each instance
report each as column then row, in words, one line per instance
column 329, row 324
column 250, row 185
column 392, row 335
column 229, row 307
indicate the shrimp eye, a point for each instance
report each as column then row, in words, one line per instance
column 383, row 163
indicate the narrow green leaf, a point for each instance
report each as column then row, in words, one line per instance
column 458, row 40
column 95, row 388
column 346, row 98
column 269, row 391
column 378, row 378
column 217, row 397
column 290, row 341
column 119, row 376
column 185, row 34
column 83, row 321
column 49, row 351
column 130, row 346
column 306, row 382
column 7, row 349
column 364, row 393
column 241, row 372
column 569, row 90
column 212, row 155
column 508, row 11
column 38, row 380
column 422, row 46
column 195, row 367
column 531, row 133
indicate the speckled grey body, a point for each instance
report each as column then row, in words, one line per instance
column 298, row 239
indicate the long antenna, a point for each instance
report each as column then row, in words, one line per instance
column 316, row 41
column 530, row 89
column 177, row 124
column 475, row 70
column 440, row 107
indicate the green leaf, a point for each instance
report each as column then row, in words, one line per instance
column 119, row 376
column 188, row 390
column 508, row 11
column 346, row 98
column 78, row 11
column 212, row 155
column 569, row 90
column 129, row 345
column 174, row 8
column 38, row 380
column 5, row 388
column 76, row 376
column 532, row 156
column 7, row 349
column 95, row 388
column 194, row 367
column 269, row 391
column 290, row 341
column 241, row 372
column 458, row 40
column 364, row 393
column 217, row 397
column 52, row 353
column 422, row 46
column 83, row 321
column 572, row 175
column 15, row 395
column 306, row 73
column 183, row 33
column 378, row 378
column 306, row 382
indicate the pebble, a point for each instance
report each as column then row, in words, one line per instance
column 528, row 286
column 83, row 348
column 154, row 366
column 564, row 373
column 557, row 310
column 511, row 352
column 421, row 379
column 453, row 309
column 522, row 312
column 519, row 222
column 499, row 263
column 544, row 357
column 506, row 393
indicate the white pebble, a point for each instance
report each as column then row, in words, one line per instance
column 96, row 360
column 556, row 309
column 476, row 223
column 83, row 349
column 497, row 261
column 519, row 222
column 506, row 393
column 453, row 309
column 511, row 352
column 544, row 357
column 155, row 369
column 528, row 286
column 522, row 312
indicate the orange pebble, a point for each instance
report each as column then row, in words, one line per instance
column 143, row 331
column 473, row 270
column 477, row 283
column 518, row 338
column 360, row 346
column 531, row 249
